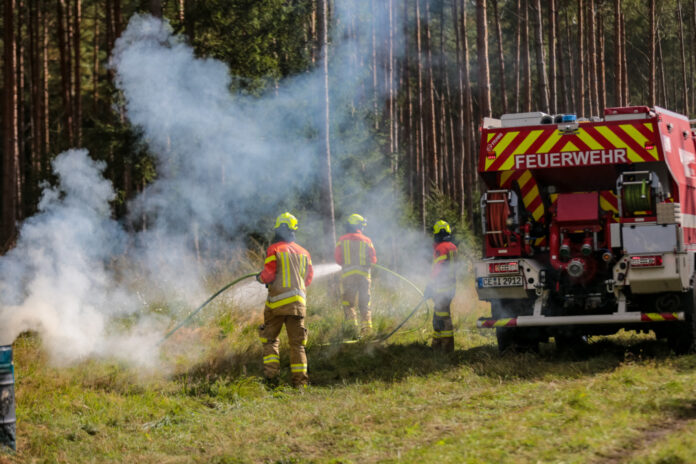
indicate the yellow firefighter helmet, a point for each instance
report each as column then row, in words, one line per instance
column 440, row 226
column 288, row 219
column 356, row 220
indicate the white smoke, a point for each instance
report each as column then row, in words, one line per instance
column 57, row 279
column 225, row 163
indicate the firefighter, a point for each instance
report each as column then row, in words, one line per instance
column 356, row 254
column 287, row 272
column 442, row 286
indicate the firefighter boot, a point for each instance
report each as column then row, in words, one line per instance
column 442, row 333
column 447, row 344
column 363, row 286
column 297, row 337
column 268, row 333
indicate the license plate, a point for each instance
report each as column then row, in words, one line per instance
column 501, row 281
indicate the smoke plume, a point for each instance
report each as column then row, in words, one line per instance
column 226, row 163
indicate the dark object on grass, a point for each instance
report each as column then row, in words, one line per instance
column 8, row 432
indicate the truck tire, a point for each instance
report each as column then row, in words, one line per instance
column 520, row 340
column 506, row 339
column 570, row 342
column 515, row 338
column 682, row 336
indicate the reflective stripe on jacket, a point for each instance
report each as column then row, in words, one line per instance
column 356, row 254
column 443, row 275
column 287, row 272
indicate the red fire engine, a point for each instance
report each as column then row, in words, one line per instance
column 589, row 226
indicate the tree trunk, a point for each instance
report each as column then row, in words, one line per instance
column 653, row 62
column 375, row 105
column 36, row 113
column 21, row 109
column 443, row 100
column 409, row 129
column 459, row 147
column 553, row 97
column 586, row 63
column 581, row 59
column 433, row 165
column 420, row 165
column 326, row 187
column 470, row 160
column 393, row 120
column 663, row 87
column 95, row 61
column 501, row 57
column 156, row 8
column 592, row 52
column 118, row 21
column 685, row 87
column 541, row 66
column 109, row 24
column 624, row 65
column 618, row 56
column 561, row 68
column 518, row 32
column 482, row 48
column 526, row 61
column 10, row 160
column 34, row 73
column 189, row 21
column 45, row 107
column 466, row 126
column 65, row 72
column 77, row 75
column 451, row 166
column 602, row 83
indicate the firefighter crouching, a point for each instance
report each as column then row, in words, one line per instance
column 355, row 253
column 287, row 272
column 442, row 286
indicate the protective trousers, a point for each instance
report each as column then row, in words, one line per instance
column 443, row 331
column 354, row 287
column 297, row 337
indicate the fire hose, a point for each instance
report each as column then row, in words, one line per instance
column 401, row 324
column 197, row 310
column 636, row 197
column 415, row 309
column 497, row 212
column 400, row 277
column 247, row 276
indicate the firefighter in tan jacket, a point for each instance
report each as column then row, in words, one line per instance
column 356, row 254
column 287, row 272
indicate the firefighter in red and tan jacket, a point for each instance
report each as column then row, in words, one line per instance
column 356, row 254
column 442, row 286
column 287, row 272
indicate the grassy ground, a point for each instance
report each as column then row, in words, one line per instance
column 626, row 400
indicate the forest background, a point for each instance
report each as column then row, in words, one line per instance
column 425, row 92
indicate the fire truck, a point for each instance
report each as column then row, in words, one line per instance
column 589, row 227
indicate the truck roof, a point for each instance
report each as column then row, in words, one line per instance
column 587, row 154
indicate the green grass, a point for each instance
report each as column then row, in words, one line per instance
column 626, row 400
